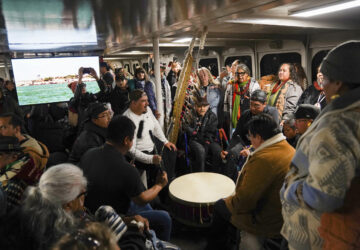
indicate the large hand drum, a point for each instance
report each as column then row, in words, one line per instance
column 194, row 196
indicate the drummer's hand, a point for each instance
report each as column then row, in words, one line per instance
column 223, row 154
column 162, row 178
column 143, row 220
column 156, row 159
column 170, row 146
column 245, row 152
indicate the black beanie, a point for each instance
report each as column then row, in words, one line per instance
column 95, row 109
column 342, row 63
column 306, row 111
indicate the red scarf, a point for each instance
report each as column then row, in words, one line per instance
column 240, row 92
column 278, row 86
column 317, row 86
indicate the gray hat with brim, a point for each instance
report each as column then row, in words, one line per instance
column 342, row 63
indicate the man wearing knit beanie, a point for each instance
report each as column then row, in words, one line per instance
column 320, row 204
column 341, row 69
column 95, row 128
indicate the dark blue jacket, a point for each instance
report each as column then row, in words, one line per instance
column 148, row 88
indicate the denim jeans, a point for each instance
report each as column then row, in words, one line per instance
column 159, row 220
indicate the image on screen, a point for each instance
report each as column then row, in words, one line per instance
column 45, row 80
column 29, row 32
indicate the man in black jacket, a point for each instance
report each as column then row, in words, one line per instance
column 94, row 133
column 119, row 96
column 239, row 138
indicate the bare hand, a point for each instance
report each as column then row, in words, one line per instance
column 93, row 73
column 245, row 152
column 157, row 114
column 156, row 159
column 223, row 154
column 81, row 69
column 223, row 74
column 143, row 220
column 162, row 179
column 170, row 146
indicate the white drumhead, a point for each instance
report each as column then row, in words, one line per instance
column 201, row 187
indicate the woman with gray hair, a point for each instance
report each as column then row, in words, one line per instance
column 49, row 207
column 238, row 93
column 55, row 207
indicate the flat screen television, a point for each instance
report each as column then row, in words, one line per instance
column 42, row 25
column 45, row 80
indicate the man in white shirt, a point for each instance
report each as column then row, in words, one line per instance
column 147, row 127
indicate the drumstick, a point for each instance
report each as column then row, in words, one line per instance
column 156, row 151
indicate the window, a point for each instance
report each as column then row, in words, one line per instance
column 127, row 67
column 315, row 63
column 270, row 63
column 145, row 66
column 243, row 59
column 211, row 64
column 135, row 66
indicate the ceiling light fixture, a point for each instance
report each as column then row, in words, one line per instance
column 266, row 21
column 326, row 9
column 183, row 40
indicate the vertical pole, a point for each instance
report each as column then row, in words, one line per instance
column 159, row 100
column 7, row 74
column 307, row 66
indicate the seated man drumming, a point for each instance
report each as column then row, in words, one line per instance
column 146, row 129
column 115, row 182
column 239, row 138
column 255, row 208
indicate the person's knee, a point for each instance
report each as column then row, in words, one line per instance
column 164, row 217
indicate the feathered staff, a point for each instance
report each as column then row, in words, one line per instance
column 183, row 90
column 181, row 93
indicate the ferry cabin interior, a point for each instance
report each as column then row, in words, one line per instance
column 262, row 33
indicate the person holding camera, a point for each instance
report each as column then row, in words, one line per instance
column 82, row 98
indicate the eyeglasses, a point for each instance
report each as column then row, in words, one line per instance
column 81, row 194
column 87, row 240
column 240, row 73
column 248, row 136
column 255, row 105
column 301, row 120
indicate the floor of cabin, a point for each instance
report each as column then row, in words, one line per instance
column 188, row 237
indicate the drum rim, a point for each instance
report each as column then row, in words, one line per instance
column 183, row 202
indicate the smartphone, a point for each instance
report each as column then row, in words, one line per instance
column 86, row 70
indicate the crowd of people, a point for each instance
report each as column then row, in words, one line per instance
column 293, row 154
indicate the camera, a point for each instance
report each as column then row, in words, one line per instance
column 86, row 70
